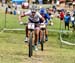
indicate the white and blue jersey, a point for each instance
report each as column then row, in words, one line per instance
column 45, row 15
column 35, row 18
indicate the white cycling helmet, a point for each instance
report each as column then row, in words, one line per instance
column 33, row 8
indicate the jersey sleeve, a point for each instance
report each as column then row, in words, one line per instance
column 39, row 15
column 48, row 17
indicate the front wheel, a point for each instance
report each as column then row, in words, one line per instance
column 30, row 46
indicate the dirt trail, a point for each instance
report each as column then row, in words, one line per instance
column 39, row 56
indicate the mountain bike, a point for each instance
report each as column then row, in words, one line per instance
column 31, row 27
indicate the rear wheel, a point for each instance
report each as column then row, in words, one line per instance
column 42, row 41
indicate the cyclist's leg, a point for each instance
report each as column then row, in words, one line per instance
column 67, row 24
column 37, row 30
column 46, row 34
column 41, row 35
column 26, row 31
column 73, row 27
column 26, row 34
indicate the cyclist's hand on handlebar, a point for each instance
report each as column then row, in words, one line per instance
column 43, row 23
column 21, row 23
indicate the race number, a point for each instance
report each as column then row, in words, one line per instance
column 31, row 26
column 42, row 25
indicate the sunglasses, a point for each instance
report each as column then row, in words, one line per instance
column 33, row 12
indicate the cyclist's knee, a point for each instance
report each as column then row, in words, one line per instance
column 37, row 32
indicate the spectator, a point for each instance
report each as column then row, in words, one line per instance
column 6, row 10
column 25, row 5
column 67, row 20
column 73, row 21
column 54, row 8
column 49, row 12
column 14, row 12
column 57, row 3
column 9, row 9
column 40, row 1
column 33, row 1
column 62, row 14
column 3, row 2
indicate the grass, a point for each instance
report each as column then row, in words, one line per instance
column 69, row 37
column 14, row 50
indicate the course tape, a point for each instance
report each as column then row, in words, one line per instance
column 66, row 42
column 52, row 30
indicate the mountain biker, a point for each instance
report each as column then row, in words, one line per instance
column 46, row 17
column 34, row 17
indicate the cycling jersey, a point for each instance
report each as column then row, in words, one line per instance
column 35, row 18
column 46, row 17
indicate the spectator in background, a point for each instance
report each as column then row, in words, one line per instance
column 9, row 9
column 49, row 12
column 25, row 5
column 54, row 8
column 6, row 10
column 62, row 14
column 73, row 21
column 40, row 1
column 67, row 20
column 33, row 1
column 57, row 3
column 3, row 2
column 14, row 12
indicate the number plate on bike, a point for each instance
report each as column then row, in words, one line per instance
column 42, row 25
column 31, row 26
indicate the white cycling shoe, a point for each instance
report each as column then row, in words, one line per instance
column 26, row 40
column 36, row 48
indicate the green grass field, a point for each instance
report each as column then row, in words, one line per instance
column 14, row 50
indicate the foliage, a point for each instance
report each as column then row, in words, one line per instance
column 69, row 37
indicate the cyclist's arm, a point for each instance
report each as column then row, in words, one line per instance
column 42, row 19
column 48, row 17
column 22, row 15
